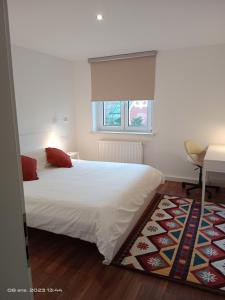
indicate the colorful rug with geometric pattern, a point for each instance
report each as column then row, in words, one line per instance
column 173, row 241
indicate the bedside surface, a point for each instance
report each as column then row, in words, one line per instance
column 74, row 154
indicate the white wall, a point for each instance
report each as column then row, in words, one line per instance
column 190, row 103
column 44, row 97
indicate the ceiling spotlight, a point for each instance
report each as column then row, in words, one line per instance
column 99, row 17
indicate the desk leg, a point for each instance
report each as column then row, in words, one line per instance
column 203, row 189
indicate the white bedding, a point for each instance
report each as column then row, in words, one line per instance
column 93, row 201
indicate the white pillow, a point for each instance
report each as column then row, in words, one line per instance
column 40, row 156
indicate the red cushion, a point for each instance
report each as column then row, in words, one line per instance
column 29, row 168
column 58, row 158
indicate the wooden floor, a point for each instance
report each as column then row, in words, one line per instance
column 76, row 267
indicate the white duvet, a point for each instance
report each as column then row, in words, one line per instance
column 93, row 201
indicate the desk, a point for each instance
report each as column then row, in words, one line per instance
column 214, row 161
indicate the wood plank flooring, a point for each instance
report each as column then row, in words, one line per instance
column 76, row 267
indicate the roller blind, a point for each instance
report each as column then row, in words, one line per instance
column 123, row 77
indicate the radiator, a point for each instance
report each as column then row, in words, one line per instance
column 121, row 151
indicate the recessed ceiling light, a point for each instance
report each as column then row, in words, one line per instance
column 99, row 17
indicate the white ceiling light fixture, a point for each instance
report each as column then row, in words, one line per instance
column 99, row 17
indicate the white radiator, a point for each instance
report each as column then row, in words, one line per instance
column 121, row 151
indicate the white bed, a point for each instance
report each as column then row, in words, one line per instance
column 98, row 202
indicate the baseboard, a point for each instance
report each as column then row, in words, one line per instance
column 181, row 179
column 218, row 182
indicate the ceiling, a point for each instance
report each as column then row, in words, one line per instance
column 69, row 29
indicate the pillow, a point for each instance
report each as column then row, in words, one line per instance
column 29, row 168
column 58, row 158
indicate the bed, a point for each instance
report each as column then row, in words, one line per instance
column 98, row 202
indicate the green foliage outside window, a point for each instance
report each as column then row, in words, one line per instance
column 136, row 122
column 112, row 114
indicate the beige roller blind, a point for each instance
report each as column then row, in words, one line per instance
column 125, row 77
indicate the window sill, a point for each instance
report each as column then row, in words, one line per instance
column 123, row 132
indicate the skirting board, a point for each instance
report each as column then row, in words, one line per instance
column 220, row 182
column 180, row 179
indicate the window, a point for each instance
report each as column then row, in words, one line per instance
column 124, row 116
column 112, row 113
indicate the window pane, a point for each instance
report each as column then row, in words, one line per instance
column 112, row 113
column 138, row 113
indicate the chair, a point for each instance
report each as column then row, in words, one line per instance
column 196, row 154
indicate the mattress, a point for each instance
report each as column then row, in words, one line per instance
column 94, row 201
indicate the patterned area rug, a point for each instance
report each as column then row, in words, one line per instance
column 173, row 241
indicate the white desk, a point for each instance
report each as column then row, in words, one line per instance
column 214, row 161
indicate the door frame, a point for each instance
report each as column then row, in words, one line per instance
column 15, row 275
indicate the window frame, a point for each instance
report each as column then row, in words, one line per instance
column 98, row 119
